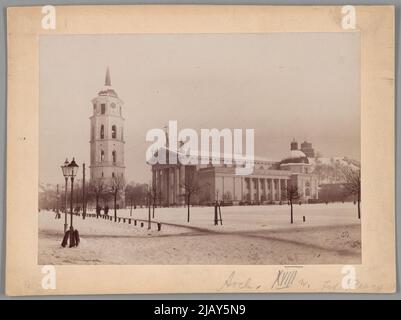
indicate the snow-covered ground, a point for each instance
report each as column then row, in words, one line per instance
column 249, row 235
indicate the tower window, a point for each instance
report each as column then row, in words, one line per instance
column 113, row 131
column 122, row 133
column 101, row 156
column 102, row 132
column 103, row 108
column 94, row 107
column 102, row 174
column 114, row 155
column 112, row 174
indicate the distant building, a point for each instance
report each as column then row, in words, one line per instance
column 267, row 184
column 306, row 147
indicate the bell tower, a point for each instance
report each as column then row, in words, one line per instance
column 107, row 135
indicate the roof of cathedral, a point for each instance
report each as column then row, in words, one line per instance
column 221, row 156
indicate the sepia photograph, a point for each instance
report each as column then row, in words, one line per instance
column 141, row 138
column 200, row 149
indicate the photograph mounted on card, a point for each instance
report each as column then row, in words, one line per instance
column 230, row 149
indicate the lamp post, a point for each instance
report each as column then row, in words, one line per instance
column 73, row 170
column 65, row 170
column 70, row 170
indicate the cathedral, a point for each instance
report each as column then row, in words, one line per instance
column 107, row 136
column 267, row 184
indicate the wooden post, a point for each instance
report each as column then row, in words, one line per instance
column 221, row 220
column 83, row 192
column 149, row 219
column 57, row 204
column 215, row 214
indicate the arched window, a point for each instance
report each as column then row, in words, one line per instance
column 102, row 132
column 114, row 155
column 102, row 174
column 113, row 131
column 112, row 174
column 103, row 108
column 101, row 156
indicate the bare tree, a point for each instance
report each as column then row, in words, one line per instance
column 136, row 192
column 97, row 187
column 117, row 186
column 190, row 188
column 292, row 195
column 352, row 185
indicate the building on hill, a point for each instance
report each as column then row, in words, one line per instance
column 306, row 147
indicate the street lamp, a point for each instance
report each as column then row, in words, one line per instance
column 70, row 170
column 73, row 169
column 66, row 174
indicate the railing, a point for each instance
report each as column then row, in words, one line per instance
column 132, row 221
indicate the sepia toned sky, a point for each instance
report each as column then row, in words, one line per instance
column 283, row 85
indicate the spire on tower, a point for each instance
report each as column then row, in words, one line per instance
column 107, row 81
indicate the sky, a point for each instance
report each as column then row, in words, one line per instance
column 283, row 85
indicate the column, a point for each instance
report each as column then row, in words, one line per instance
column 266, row 190
column 167, row 174
column 251, row 191
column 153, row 177
column 177, row 184
column 279, row 189
column 273, row 189
column 242, row 198
column 234, row 194
column 257, row 189
column 172, row 186
column 158, row 184
column 285, row 188
column 162, row 186
column 182, row 182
